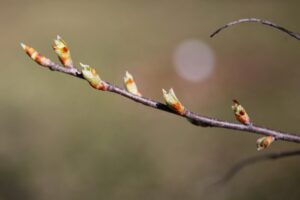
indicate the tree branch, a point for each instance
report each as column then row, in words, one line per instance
column 261, row 21
column 253, row 160
column 194, row 118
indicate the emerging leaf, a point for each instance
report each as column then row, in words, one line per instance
column 92, row 77
column 240, row 113
column 172, row 101
column 264, row 142
column 61, row 49
column 130, row 84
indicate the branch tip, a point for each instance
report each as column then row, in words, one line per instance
column 23, row 45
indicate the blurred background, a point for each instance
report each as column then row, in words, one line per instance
column 60, row 139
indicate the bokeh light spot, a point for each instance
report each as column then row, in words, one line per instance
column 194, row 60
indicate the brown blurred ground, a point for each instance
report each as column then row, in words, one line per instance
column 59, row 139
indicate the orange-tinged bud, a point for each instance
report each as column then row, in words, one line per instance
column 61, row 49
column 172, row 101
column 240, row 113
column 36, row 56
column 130, row 84
column 93, row 78
column 264, row 142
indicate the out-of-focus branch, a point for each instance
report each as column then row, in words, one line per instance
column 93, row 78
column 261, row 21
column 253, row 160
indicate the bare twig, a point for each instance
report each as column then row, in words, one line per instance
column 261, row 21
column 194, row 118
column 255, row 159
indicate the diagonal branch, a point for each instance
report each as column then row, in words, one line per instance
column 253, row 160
column 261, row 21
column 194, row 118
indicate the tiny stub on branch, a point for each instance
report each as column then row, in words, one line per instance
column 264, row 142
column 61, row 49
column 240, row 113
column 172, row 101
column 130, row 84
column 93, row 78
column 199, row 123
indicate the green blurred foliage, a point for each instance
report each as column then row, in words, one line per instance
column 59, row 139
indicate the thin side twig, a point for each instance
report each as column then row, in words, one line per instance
column 261, row 21
column 194, row 118
column 253, row 160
